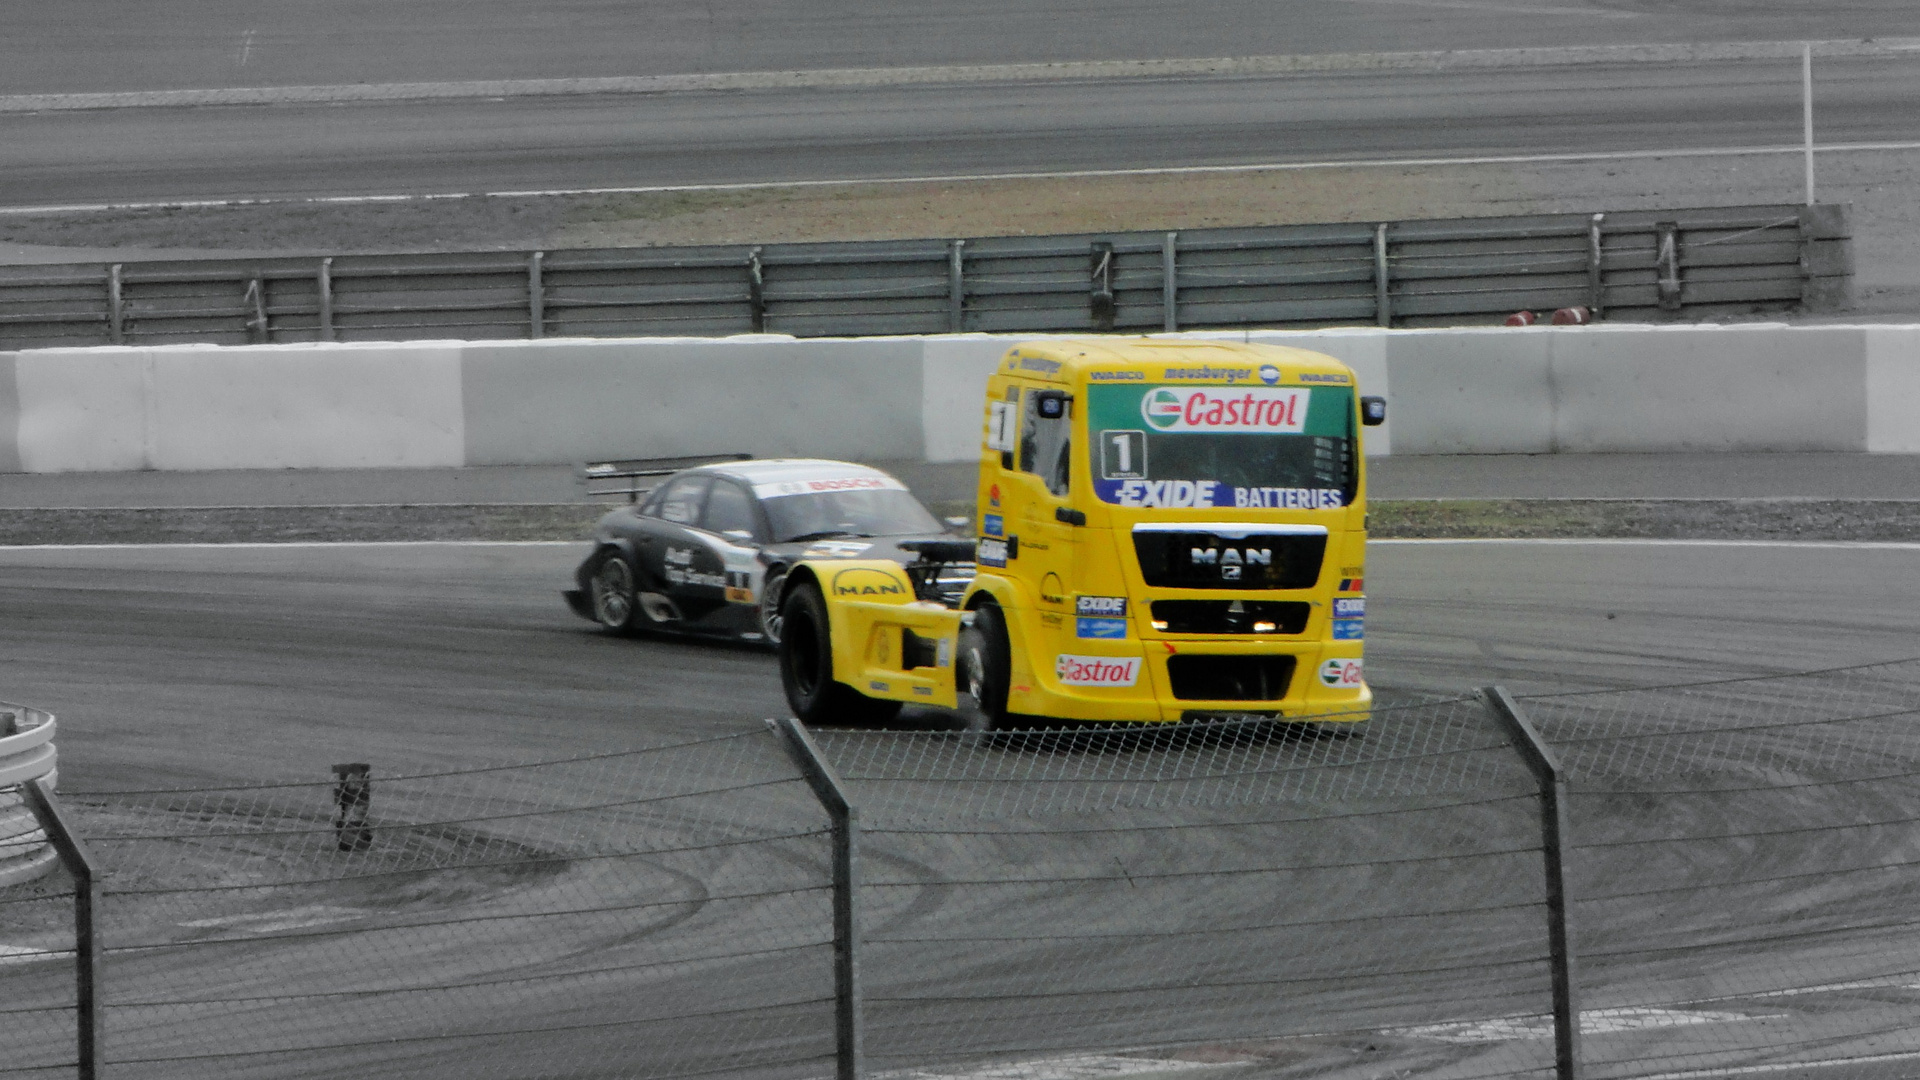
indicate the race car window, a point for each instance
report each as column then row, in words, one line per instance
column 680, row 501
column 1046, row 443
column 730, row 511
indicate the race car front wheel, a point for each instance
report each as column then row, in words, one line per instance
column 806, row 666
column 611, row 589
column 986, row 659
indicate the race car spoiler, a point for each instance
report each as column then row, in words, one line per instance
column 603, row 479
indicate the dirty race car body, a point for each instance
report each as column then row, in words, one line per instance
column 707, row 550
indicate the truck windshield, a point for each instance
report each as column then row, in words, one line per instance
column 816, row 516
column 1274, row 447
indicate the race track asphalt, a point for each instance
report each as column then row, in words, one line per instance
column 181, row 665
column 192, row 666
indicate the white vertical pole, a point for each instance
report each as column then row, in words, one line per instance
column 1806, row 111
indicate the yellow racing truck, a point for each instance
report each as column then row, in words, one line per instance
column 1167, row 530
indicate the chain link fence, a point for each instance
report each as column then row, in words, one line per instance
column 1365, row 900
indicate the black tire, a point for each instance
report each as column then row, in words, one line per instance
column 612, row 593
column 773, row 595
column 806, row 667
column 986, row 664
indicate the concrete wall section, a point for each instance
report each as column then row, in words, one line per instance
column 84, row 410
column 953, row 376
column 570, row 400
column 1893, row 389
column 9, row 416
column 271, row 407
column 1470, row 391
column 1653, row 389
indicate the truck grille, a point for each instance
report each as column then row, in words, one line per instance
column 1229, row 678
column 1231, row 616
column 1201, row 560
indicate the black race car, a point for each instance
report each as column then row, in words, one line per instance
column 707, row 550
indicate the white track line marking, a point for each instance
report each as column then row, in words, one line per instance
column 22, row 954
column 267, row 922
column 1076, row 1067
column 1592, row 1022
column 1070, row 70
column 251, row 545
column 964, row 178
column 1781, row 1066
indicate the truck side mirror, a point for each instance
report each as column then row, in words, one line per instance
column 1373, row 411
column 1052, row 404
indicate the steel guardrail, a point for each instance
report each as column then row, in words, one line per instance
column 1643, row 265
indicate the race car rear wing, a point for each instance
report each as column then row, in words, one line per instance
column 630, row 477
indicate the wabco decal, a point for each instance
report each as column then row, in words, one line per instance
column 1341, row 672
column 866, row 581
column 1274, row 498
column 1258, row 409
column 1115, row 606
column 1323, row 377
column 1097, row 670
column 1117, row 376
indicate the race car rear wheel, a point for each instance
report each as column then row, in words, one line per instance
column 806, row 666
column 610, row 588
column 986, row 661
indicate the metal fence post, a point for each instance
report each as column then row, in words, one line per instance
column 536, row 297
column 756, row 291
column 1556, row 838
column 846, row 883
column 324, row 283
column 1596, row 268
column 956, row 286
column 86, row 902
column 1382, row 301
column 1170, row 282
column 115, row 316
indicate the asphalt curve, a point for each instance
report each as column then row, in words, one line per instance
column 183, row 665
column 179, row 666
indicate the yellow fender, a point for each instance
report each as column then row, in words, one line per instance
column 886, row 643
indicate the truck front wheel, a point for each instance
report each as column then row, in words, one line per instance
column 987, row 659
column 806, row 666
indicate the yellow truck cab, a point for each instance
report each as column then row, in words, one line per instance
column 1167, row 530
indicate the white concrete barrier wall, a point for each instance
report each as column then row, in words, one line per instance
column 428, row 404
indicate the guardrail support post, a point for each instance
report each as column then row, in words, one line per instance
column 1101, row 303
column 536, row 297
column 845, row 816
column 1556, row 837
column 1596, row 269
column 86, row 902
column 1170, row 282
column 756, row 291
column 1382, row 300
column 956, row 286
column 1667, row 264
column 115, row 316
column 324, row 283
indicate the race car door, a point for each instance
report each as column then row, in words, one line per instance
column 719, row 558
column 666, row 547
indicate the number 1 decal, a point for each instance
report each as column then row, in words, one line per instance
column 1123, row 455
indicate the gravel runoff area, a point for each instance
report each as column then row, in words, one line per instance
column 1755, row 519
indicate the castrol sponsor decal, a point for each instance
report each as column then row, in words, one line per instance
column 1097, row 670
column 1274, row 410
column 1343, row 671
